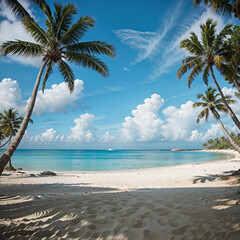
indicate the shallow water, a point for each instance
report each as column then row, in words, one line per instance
column 104, row 160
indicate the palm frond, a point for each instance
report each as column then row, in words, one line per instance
column 92, row 47
column 206, row 74
column 22, row 48
column 36, row 32
column 89, row 61
column 195, row 72
column 218, row 60
column 192, row 44
column 202, row 114
column 77, row 31
column 67, row 73
column 188, row 63
column 63, row 17
column 47, row 74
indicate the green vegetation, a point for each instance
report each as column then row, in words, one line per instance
column 222, row 142
column 9, row 124
column 208, row 52
column 211, row 102
column 57, row 44
column 228, row 7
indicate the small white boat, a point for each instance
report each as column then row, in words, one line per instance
column 110, row 149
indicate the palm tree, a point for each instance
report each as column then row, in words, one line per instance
column 58, row 43
column 211, row 51
column 9, row 125
column 232, row 75
column 222, row 6
column 211, row 102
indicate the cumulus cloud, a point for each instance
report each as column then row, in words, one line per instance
column 107, row 137
column 83, row 130
column 55, row 99
column 11, row 95
column 179, row 121
column 50, row 135
column 145, row 125
column 11, row 29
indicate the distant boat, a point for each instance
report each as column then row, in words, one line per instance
column 110, row 149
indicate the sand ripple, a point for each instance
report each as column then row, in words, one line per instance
column 168, row 214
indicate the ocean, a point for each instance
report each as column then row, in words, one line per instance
column 105, row 160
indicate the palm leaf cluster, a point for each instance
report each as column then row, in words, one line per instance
column 211, row 102
column 222, row 6
column 9, row 124
column 60, row 43
column 211, row 50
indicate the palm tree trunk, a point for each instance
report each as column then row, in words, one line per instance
column 236, row 84
column 17, row 139
column 230, row 111
column 235, row 145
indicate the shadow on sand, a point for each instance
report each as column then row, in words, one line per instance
column 161, row 214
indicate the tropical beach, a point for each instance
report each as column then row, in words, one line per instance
column 189, row 201
column 120, row 120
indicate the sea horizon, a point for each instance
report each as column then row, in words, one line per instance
column 106, row 159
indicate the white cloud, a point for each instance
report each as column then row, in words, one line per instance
column 144, row 42
column 50, row 135
column 107, row 137
column 55, row 99
column 11, row 95
column 83, row 130
column 172, row 54
column 147, row 43
column 179, row 121
column 145, row 125
column 11, row 29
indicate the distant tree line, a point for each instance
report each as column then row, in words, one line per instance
column 222, row 142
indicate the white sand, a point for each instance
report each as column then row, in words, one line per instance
column 178, row 202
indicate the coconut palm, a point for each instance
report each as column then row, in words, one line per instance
column 211, row 51
column 222, row 6
column 9, row 125
column 212, row 103
column 57, row 44
column 232, row 75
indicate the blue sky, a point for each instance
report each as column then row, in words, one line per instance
column 141, row 104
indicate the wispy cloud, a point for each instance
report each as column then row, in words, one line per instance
column 147, row 43
column 162, row 46
column 172, row 54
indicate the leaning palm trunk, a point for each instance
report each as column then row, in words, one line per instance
column 15, row 142
column 235, row 145
column 236, row 84
column 230, row 111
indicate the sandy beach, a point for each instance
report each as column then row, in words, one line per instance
column 191, row 201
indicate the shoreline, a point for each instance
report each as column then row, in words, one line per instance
column 174, row 176
column 187, row 201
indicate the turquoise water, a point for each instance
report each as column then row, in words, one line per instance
column 104, row 160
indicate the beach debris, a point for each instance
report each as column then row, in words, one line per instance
column 48, row 173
